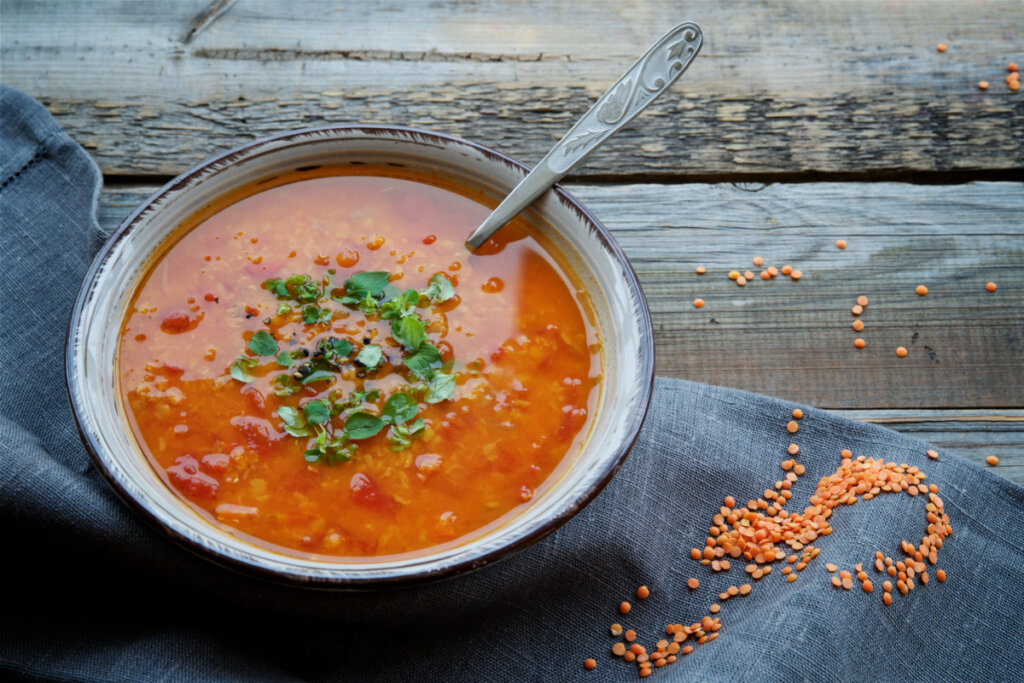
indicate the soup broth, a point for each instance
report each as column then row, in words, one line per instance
column 319, row 365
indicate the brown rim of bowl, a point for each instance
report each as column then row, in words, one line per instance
column 635, row 421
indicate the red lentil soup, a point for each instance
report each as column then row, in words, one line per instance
column 324, row 417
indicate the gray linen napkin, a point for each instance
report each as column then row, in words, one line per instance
column 93, row 593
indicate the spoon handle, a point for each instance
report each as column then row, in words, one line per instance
column 650, row 76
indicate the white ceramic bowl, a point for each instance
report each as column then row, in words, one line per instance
column 623, row 322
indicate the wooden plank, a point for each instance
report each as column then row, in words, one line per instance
column 971, row 434
column 793, row 339
column 781, row 87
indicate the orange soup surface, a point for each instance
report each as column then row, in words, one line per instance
column 319, row 365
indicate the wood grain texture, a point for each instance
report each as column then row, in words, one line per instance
column 782, row 87
column 793, row 339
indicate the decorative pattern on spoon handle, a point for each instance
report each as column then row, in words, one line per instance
column 651, row 75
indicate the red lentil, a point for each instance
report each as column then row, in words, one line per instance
column 619, row 649
column 862, row 300
column 797, row 413
column 590, row 663
column 715, row 608
column 792, row 426
column 734, row 274
column 982, row 85
column 624, row 607
column 1012, row 67
column 841, row 244
column 859, row 343
column 693, row 584
column 701, row 270
column 786, row 270
column 643, row 592
column 748, row 275
column 992, row 460
column 730, row 502
column 857, row 310
column 887, row 599
column 741, row 280
column 616, row 629
column 990, row 286
column 941, row 47
column 773, row 271
column 858, row 325
column 758, row 260
column 630, row 636
column 698, row 303
column 765, row 275
column 921, row 290
column 796, row 275
column 901, row 352
column 793, row 449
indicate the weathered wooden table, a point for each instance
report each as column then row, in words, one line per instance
column 801, row 123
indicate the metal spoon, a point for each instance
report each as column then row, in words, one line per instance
column 650, row 76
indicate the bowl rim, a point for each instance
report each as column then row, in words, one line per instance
column 633, row 425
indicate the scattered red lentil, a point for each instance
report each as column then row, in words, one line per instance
column 765, row 275
column 758, row 260
column 858, row 325
column 773, row 271
column 630, row 636
column 796, row 275
column 693, row 584
column 859, row 343
column 941, row 575
column 741, row 280
column 590, row 664
column 862, row 300
column 901, row 352
column 746, row 588
column 643, row 592
column 992, row 460
column 990, row 286
column 982, row 85
column 715, row 608
column 846, row 454
column 698, row 303
column 730, row 502
column 841, row 244
column 934, row 455
column 619, row 649
column 701, row 270
column 941, row 47
column 748, row 275
column 786, row 270
column 887, row 599
column 921, row 290
column 797, row 413
column 734, row 274
column 857, row 309
column 624, row 607
column 1011, row 67
column 792, row 426
column 695, row 554
column 616, row 629
column 837, row 582
column 793, row 449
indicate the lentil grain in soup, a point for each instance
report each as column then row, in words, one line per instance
column 322, row 367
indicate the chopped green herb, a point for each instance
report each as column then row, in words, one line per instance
column 440, row 289
column 262, row 344
column 283, row 309
column 409, row 331
column 426, row 359
column 317, row 411
column 284, row 359
column 363, row 425
column 370, row 357
column 335, row 351
column 399, row 408
column 368, row 284
column 400, row 436
column 241, row 367
column 317, row 376
column 294, row 421
column 440, row 387
column 285, row 385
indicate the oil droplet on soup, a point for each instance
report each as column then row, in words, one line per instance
column 515, row 334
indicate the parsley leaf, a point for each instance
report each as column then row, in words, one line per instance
column 426, row 358
column 399, row 408
column 440, row 289
column 284, row 359
column 363, row 425
column 334, row 351
column 370, row 357
column 440, row 387
column 262, row 344
column 279, row 288
column 241, row 367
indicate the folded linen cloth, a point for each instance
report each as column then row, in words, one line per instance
column 94, row 593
